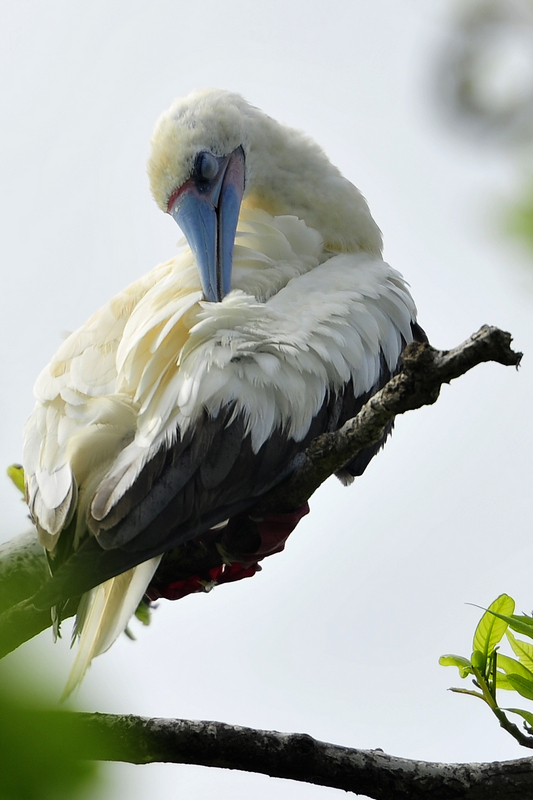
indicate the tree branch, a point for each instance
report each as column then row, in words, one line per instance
column 418, row 384
column 22, row 564
column 296, row 756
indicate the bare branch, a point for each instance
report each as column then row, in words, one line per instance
column 296, row 756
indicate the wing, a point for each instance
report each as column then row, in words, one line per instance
column 252, row 385
column 81, row 422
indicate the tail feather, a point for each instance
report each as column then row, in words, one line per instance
column 103, row 615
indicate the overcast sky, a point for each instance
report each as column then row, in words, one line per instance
column 340, row 635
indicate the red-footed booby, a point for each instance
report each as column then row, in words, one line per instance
column 196, row 389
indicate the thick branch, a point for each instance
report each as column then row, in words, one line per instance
column 22, row 567
column 371, row 773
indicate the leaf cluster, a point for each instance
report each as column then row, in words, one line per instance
column 492, row 670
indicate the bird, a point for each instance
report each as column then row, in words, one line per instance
column 197, row 388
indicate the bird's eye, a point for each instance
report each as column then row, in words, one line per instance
column 206, row 166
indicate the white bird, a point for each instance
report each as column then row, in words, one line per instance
column 193, row 391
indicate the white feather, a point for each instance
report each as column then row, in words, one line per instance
column 103, row 615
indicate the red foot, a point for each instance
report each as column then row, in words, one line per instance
column 274, row 530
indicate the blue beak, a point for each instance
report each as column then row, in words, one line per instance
column 207, row 211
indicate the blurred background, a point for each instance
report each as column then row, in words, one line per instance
column 427, row 106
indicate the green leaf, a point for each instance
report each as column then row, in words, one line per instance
column 520, row 624
column 521, row 685
column 527, row 715
column 16, row 473
column 490, row 629
column 514, row 667
column 502, row 682
column 523, row 650
column 463, row 664
column 479, row 661
column 143, row 613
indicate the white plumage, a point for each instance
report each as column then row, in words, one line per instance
column 313, row 313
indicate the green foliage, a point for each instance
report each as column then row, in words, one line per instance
column 491, row 628
column 523, row 650
column 492, row 670
column 143, row 612
column 464, row 665
column 38, row 758
column 519, row 220
column 16, row 473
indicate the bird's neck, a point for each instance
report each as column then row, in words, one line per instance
column 290, row 174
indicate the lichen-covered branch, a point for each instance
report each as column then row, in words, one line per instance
column 22, row 564
column 371, row 773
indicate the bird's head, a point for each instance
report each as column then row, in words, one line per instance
column 212, row 149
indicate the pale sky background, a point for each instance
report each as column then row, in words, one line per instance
column 340, row 635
